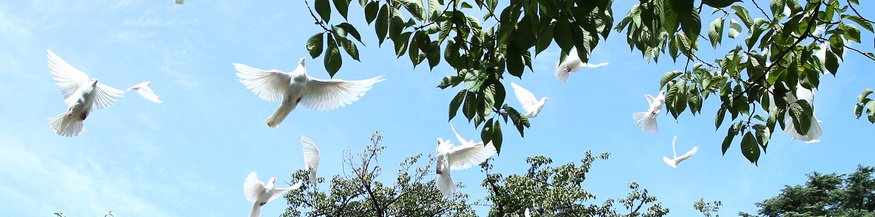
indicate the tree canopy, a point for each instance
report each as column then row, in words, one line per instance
column 825, row 195
column 545, row 190
column 773, row 51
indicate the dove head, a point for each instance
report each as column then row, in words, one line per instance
column 93, row 82
column 301, row 61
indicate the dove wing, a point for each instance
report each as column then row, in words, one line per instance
column 146, row 92
column 67, row 77
column 311, row 157
column 269, row 85
column 278, row 192
column 649, row 99
column 106, row 95
column 465, row 156
column 688, row 154
column 252, row 187
column 526, row 98
column 462, row 141
column 325, row 95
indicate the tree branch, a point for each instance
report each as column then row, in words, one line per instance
column 314, row 17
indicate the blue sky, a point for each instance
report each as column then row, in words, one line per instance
column 190, row 155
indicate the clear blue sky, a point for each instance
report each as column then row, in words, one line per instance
column 190, row 155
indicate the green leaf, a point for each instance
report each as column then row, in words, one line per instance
column 415, row 8
column 668, row 76
column 734, row 28
column 371, row 11
column 487, row 132
column 721, row 113
column 323, row 8
column 762, row 135
column 719, row 3
column 332, row 57
column 433, row 9
column 382, row 25
column 860, row 21
column 396, row 24
column 801, row 113
column 864, row 94
column 469, row 107
column 350, row 48
column 514, row 60
column 433, row 55
column 749, row 148
column 497, row 138
column 342, row 7
column 401, row 43
column 349, row 29
column 715, row 32
column 314, row 45
column 455, row 103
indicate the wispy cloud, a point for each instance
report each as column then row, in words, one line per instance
column 40, row 180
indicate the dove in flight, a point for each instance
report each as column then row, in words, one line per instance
column 81, row 95
column 571, row 64
column 531, row 105
column 145, row 91
column 673, row 163
column 461, row 157
column 311, row 158
column 259, row 193
column 647, row 119
column 296, row 87
column 527, row 214
column 814, row 130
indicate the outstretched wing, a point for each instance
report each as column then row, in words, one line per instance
column 106, row 95
column 526, row 98
column 252, row 187
column 465, row 156
column 67, row 77
column 277, row 192
column 324, row 95
column 269, row 85
column 311, row 157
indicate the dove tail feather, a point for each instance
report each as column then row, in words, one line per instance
column 67, row 126
column 445, row 184
column 279, row 115
column 256, row 210
column 561, row 73
column 645, row 120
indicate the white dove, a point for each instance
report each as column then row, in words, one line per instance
column 647, row 119
column 259, row 193
column 311, row 158
column 527, row 214
column 527, row 99
column 673, row 163
column 461, row 157
column 80, row 95
column 145, row 91
column 572, row 63
column 814, row 130
column 296, row 87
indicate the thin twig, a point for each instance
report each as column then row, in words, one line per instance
column 858, row 13
column 761, row 9
column 314, row 17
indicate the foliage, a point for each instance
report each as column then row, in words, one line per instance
column 558, row 191
column 60, row 214
column 825, row 195
column 707, row 208
column 547, row 191
column 359, row 194
column 776, row 53
column 865, row 103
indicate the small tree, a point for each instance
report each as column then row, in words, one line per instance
column 558, row 191
column 825, row 195
column 360, row 194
